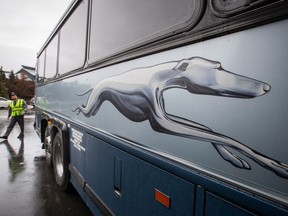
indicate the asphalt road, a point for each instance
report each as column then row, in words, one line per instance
column 27, row 185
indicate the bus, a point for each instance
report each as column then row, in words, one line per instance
column 168, row 107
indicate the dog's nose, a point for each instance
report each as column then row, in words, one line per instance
column 266, row 87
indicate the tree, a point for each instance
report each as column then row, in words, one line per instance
column 3, row 88
column 12, row 77
column 21, row 85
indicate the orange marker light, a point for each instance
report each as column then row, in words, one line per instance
column 162, row 198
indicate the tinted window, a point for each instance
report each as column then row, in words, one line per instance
column 51, row 58
column 73, row 40
column 118, row 25
column 41, row 65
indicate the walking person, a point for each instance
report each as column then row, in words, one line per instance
column 16, row 112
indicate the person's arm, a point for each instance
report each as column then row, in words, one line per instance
column 9, row 112
column 25, row 106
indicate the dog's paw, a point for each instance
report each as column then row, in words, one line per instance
column 231, row 158
column 279, row 168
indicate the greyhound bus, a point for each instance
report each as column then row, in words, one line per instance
column 164, row 107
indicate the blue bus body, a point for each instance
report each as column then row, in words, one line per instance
column 185, row 120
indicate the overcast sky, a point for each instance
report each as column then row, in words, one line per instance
column 24, row 27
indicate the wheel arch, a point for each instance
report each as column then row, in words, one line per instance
column 56, row 125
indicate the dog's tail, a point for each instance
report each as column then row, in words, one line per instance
column 84, row 93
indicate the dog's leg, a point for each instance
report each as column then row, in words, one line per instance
column 76, row 110
column 230, row 157
column 94, row 101
column 224, row 152
column 165, row 125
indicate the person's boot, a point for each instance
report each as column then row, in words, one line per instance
column 20, row 136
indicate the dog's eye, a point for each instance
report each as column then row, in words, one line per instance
column 183, row 67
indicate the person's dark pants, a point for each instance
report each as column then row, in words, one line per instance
column 13, row 120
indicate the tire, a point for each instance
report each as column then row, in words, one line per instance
column 60, row 162
column 48, row 148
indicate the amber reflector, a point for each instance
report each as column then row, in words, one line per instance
column 162, row 198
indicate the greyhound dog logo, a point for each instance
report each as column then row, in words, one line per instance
column 138, row 95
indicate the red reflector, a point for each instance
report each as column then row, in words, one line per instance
column 162, row 198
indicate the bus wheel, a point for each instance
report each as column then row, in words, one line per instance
column 48, row 148
column 60, row 162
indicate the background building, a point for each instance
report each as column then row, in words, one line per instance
column 27, row 73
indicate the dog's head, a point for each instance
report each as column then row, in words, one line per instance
column 203, row 76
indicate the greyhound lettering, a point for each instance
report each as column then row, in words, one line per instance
column 138, row 95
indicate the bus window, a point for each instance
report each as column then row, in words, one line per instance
column 73, row 40
column 51, row 58
column 148, row 19
column 41, row 65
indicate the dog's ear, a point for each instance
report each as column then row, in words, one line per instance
column 182, row 65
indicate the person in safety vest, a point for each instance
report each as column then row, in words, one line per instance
column 16, row 111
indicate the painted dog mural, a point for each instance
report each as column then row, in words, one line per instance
column 138, row 95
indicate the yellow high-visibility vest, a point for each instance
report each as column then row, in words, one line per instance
column 17, row 109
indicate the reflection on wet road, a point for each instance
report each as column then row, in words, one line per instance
column 27, row 183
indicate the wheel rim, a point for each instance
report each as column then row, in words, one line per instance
column 58, row 160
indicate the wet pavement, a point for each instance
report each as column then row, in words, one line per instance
column 27, row 185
